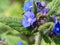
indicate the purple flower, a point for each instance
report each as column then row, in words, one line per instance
column 41, row 5
column 28, row 6
column 52, row 34
column 46, row 10
column 35, row 24
column 29, row 19
column 39, row 10
column 56, row 28
column 19, row 43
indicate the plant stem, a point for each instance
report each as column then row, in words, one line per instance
column 38, row 39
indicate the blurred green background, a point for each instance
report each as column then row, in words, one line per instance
column 10, row 16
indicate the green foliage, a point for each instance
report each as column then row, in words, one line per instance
column 14, row 23
column 13, row 40
column 6, row 28
column 11, row 21
column 54, row 5
column 34, row 7
column 45, row 26
column 58, row 10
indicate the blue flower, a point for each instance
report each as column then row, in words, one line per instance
column 19, row 43
column 28, row 6
column 29, row 14
column 29, row 19
column 56, row 28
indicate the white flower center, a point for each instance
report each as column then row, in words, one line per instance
column 30, row 6
column 57, row 29
column 29, row 20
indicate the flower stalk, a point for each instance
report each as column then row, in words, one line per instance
column 38, row 39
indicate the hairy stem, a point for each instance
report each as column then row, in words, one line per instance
column 38, row 39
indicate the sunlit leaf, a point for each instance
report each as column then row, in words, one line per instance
column 45, row 26
column 13, row 40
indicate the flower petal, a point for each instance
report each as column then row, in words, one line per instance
column 42, row 3
column 39, row 10
column 25, row 23
column 29, row 14
column 20, row 43
column 46, row 10
column 56, row 28
column 33, row 20
column 28, row 6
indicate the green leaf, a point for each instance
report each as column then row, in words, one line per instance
column 34, row 7
column 45, row 26
column 53, row 6
column 14, row 23
column 4, row 28
column 11, row 21
column 13, row 40
column 58, row 10
column 21, row 2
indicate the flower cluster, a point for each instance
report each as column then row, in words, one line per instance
column 33, row 20
column 29, row 16
column 42, row 11
column 29, row 19
column 41, row 8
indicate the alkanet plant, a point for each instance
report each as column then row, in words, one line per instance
column 39, row 21
column 39, row 26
